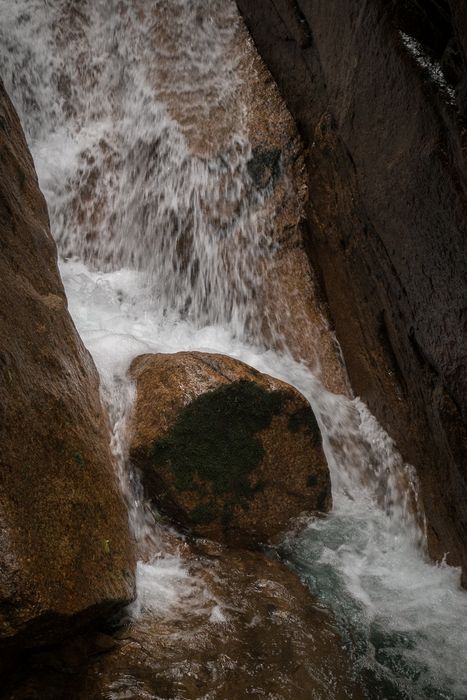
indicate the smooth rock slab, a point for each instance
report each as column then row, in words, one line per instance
column 249, row 629
column 225, row 450
column 65, row 556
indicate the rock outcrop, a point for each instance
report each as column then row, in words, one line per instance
column 378, row 92
column 289, row 300
column 250, row 630
column 64, row 543
column 228, row 451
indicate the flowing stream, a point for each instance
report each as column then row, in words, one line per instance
column 163, row 244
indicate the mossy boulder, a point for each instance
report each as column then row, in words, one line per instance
column 224, row 450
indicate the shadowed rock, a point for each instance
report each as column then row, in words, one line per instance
column 224, row 449
column 378, row 91
column 248, row 629
column 64, row 545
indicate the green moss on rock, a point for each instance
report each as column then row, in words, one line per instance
column 312, row 481
column 214, row 440
column 78, row 458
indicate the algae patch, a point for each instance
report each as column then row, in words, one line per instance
column 214, row 440
column 264, row 166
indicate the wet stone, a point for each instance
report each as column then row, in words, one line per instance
column 225, row 450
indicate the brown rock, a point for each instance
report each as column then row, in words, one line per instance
column 387, row 210
column 225, row 449
column 251, row 630
column 64, row 545
column 293, row 314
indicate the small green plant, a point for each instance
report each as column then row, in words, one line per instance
column 79, row 459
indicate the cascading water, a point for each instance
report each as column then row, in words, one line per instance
column 163, row 243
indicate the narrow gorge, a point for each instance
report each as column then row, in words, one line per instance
column 232, row 361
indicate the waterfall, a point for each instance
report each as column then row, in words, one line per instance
column 136, row 116
column 124, row 185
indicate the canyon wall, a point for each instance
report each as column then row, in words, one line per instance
column 65, row 556
column 379, row 94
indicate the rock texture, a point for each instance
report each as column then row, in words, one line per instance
column 293, row 314
column 229, row 451
column 251, row 630
column 384, row 128
column 64, row 544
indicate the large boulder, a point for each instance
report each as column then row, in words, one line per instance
column 229, row 451
column 64, row 545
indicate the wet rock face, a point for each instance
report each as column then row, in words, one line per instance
column 385, row 129
column 64, row 545
column 253, row 630
column 227, row 451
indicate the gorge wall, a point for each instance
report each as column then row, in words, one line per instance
column 379, row 94
column 65, row 555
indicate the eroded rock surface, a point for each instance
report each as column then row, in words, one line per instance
column 64, row 544
column 243, row 626
column 378, row 92
column 224, row 449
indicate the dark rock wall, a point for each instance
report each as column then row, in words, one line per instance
column 386, row 157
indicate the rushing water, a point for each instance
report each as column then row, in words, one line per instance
column 163, row 242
